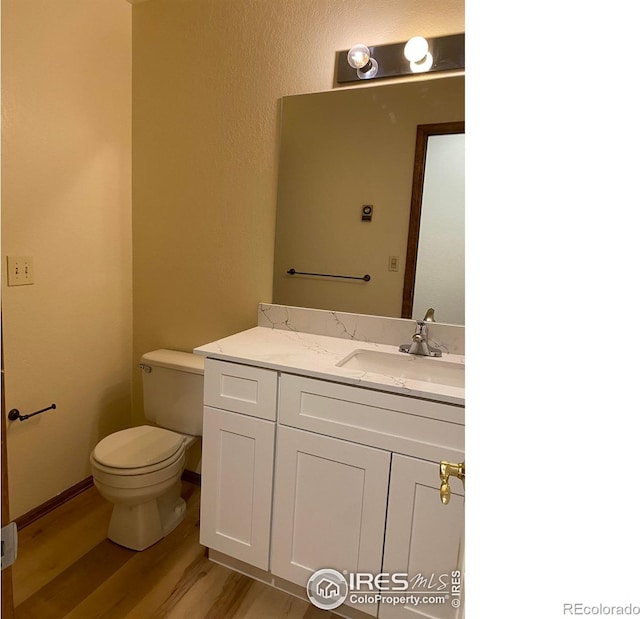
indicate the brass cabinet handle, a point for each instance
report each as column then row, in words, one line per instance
column 447, row 469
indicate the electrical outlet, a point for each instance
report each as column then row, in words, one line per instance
column 19, row 270
column 393, row 263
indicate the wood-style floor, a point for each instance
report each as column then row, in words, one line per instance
column 67, row 567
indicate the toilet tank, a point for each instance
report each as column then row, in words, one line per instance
column 173, row 388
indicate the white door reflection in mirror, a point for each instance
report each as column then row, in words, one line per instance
column 439, row 281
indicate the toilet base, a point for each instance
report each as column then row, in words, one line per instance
column 139, row 526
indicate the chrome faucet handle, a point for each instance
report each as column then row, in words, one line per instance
column 420, row 342
column 421, row 339
column 430, row 316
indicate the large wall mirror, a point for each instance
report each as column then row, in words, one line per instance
column 341, row 151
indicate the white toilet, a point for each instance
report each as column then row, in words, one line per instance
column 139, row 469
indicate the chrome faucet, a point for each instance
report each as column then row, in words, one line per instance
column 420, row 339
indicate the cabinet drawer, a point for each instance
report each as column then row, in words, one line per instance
column 421, row 428
column 240, row 388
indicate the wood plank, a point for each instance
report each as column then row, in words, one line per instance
column 57, row 540
column 265, row 602
column 68, row 589
column 186, row 573
column 234, row 590
column 317, row 613
column 198, row 600
column 168, row 596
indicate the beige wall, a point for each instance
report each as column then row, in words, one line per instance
column 66, row 201
column 208, row 76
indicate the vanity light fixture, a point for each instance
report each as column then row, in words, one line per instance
column 417, row 55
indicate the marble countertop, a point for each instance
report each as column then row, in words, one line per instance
column 316, row 356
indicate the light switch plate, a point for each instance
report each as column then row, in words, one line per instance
column 19, row 270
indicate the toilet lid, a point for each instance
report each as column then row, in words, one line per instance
column 137, row 447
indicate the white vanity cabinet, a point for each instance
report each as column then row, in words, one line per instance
column 354, row 475
column 237, row 460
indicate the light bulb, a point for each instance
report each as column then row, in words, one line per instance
column 359, row 57
column 416, row 49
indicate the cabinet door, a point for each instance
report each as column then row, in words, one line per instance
column 424, row 539
column 237, row 483
column 329, row 506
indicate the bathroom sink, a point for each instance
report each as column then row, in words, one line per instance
column 403, row 365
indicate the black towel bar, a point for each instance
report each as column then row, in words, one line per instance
column 365, row 278
column 14, row 413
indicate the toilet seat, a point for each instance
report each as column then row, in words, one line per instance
column 137, row 478
column 138, row 451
